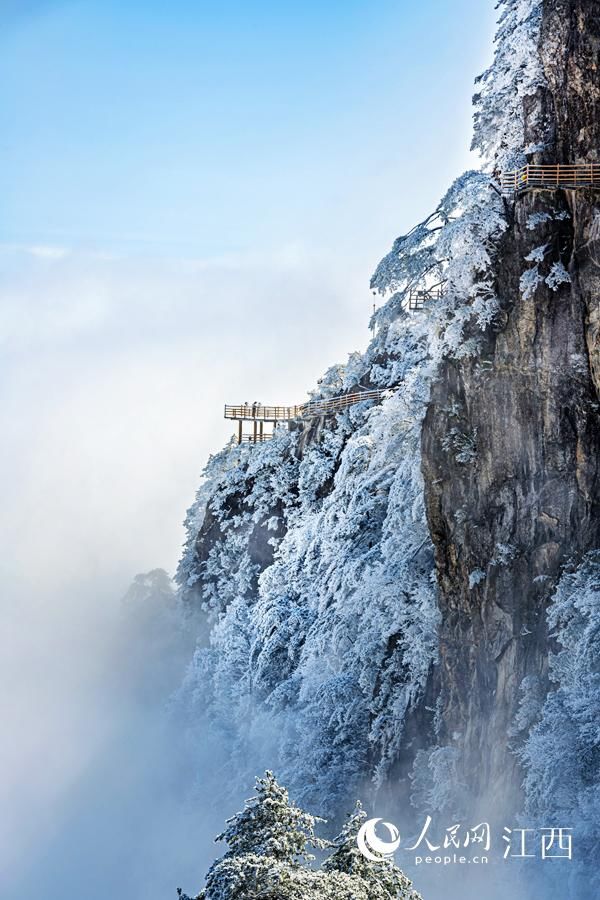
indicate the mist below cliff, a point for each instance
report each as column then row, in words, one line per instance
column 91, row 786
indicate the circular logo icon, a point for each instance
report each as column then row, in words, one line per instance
column 372, row 847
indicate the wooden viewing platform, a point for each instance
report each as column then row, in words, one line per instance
column 259, row 414
column 249, row 412
column 561, row 175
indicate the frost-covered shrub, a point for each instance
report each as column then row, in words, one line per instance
column 463, row 447
column 530, row 706
column 555, row 273
column 241, row 492
column 503, row 554
column 534, row 220
column 214, row 471
column 530, row 279
column 537, row 255
column 476, row 577
column 558, row 275
column 540, row 218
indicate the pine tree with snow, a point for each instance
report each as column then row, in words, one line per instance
column 382, row 879
column 268, row 857
column 268, row 842
column 271, row 825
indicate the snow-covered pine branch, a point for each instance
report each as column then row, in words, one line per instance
column 515, row 74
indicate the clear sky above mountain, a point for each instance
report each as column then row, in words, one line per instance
column 207, row 128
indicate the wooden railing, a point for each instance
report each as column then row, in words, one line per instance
column 576, row 175
column 256, row 412
column 417, row 298
column 251, row 412
column 326, row 407
column 255, row 438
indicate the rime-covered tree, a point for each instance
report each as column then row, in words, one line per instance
column 271, row 825
column 268, row 857
column 268, row 842
column 500, row 129
column 453, row 247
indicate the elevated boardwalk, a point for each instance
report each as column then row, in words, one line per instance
column 257, row 414
column 315, row 408
column 561, row 175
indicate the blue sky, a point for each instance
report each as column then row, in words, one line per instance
column 209, row 128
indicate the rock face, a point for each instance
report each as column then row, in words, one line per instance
column 505, row 517
column 570, row 54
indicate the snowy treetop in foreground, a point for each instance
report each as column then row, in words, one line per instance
column 266, row 859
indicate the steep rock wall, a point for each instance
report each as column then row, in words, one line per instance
column 504, row 523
